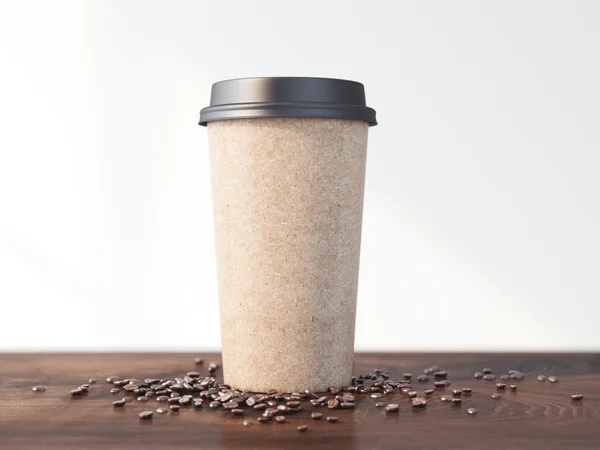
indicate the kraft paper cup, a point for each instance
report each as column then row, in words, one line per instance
column 287, row 174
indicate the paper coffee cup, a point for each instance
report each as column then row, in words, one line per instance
column 287, row 158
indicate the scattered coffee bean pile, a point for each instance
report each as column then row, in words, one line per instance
column 196, row 391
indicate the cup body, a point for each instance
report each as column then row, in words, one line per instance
column 288, row 202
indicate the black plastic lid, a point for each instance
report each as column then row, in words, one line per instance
column 327, row 98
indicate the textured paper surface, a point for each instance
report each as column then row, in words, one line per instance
column 288, row 201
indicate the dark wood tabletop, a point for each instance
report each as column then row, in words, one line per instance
column 538, row 415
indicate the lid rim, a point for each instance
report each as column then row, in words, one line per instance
column 317, row 110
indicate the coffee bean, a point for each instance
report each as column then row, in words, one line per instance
column 260, row 406
column 264, row 420
column 423, row 378
column 440, row 375
column 142, row 399
column 198, row 402
column 112, row 379
column 316, row 416
column 119, row 403
column 541, row 378
column 280, row 419
column 500, row 386
column 92, row 381
column 173, row 400
column 127, row 399
column 472, row 411
column 496, row 396
column 391, row 408
column 174, row 408
column 225, row 398
column 379, row 405
column 388, row 390
column 446, row 398
column 419, row 403
column 38, row 389
column 576, row 397
column 441, row 384
column 478, row 375
column 332, row 419
column 347, row 405
column 183, row 401
column 486, row 370
column 412, row 394
column 467, row 390
column 553, row 379
column 78, row 392
column 379, row 383
column 517, row 376
column 505, row 377
column 456, row 401
column 376, row 395
column 333, row 404
column 293, row 404
column 161, row 398
column 489, row 377
column 161, row 410
column 431, row 370
column 513, row 387
column 407, row 376
column 348, row 398
column 311, row 394
column 283, row 409
column 146, row 415
column 302, row 428
column 429, row 392
column 130, row 387
column 237, row 412
column 198, row 361
column 457, row 392
column 214, row 405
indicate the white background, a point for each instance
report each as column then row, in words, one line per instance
column 482, row 209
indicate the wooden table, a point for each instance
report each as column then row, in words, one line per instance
column 539, row 415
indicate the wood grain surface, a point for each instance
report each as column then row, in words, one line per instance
column 539, row 415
